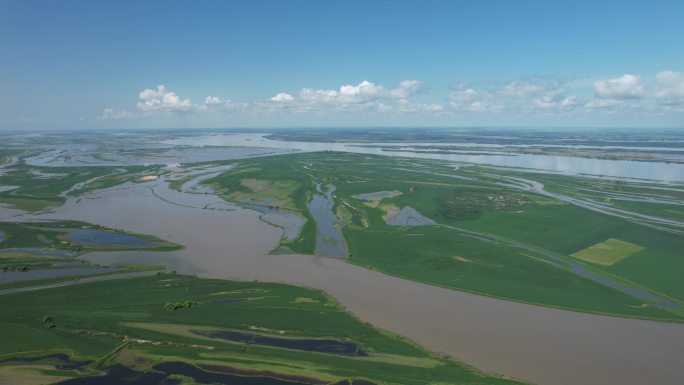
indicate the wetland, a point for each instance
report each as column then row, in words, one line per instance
column 429, row 249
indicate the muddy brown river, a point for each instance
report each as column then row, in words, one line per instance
column 537, row 344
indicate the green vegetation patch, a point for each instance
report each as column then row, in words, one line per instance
column 39, row 187
column 506, row 223
column 73, row 236
column 274, row 193
column 608, row 252
column 128, row 322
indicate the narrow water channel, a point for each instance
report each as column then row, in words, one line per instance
column 329, row 239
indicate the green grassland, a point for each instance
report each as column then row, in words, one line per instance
column 608, row 252
column 270, row 182
column 517, row 230
column 104, row 324
column 666, row 199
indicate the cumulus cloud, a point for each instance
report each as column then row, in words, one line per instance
column 406, row 89
column 214, row 103
column 627, row 86
column 557, row 101
column 532, row 96
column 469, row 100
column 527, row 95
column 282, row 97
column 362, row 91
column 163, row 100
column 365, row 95
column 670, row 87
column 538, row 93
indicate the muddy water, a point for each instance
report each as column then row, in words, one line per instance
column 542, row 345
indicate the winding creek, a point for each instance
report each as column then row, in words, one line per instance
column 329, row 239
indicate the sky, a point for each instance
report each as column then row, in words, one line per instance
column 268, row 64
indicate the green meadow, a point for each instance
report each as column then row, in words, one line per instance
column 129, row 322
column 489, row 237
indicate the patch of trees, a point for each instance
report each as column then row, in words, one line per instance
column 180, row 305
column 48, row 322
column 21, row 269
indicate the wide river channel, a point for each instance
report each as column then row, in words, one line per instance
column 538, row 344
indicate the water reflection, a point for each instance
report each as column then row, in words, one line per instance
column 662, row 171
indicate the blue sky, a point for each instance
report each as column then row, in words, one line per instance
column 128, row 64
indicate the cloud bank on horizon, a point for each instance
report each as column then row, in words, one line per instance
column 533, row 96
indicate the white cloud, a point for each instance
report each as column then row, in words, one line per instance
column 110, row 114
column 163, row 100
column 526, row 88
column 557, row 101
column 536, row 93
column 406, row 89
column 627, row 86
column 214, row 101
column 282, row 97
column 404, row 105
column 459, row 98
column 670, row 87
column 473, row 101
column 602, row 103
column 570, row 101
column 363, row 91
column 364, row 96
column 532, row 96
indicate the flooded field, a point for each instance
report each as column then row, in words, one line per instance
column 655, row 170
column 101, row 239
column 119, row 374
column 408, row 216
column 236, row 244
column 329, row 239
column 150, row 153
